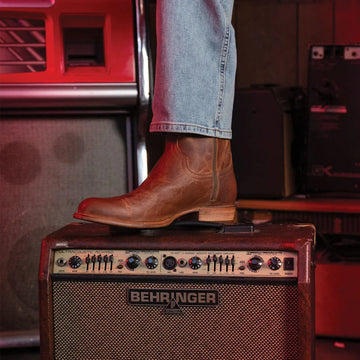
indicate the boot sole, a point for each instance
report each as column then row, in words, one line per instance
column 208, row 214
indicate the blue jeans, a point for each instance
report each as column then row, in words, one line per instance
column 195, row 68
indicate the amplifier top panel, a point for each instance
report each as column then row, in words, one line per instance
column 212, row 237
column 274, row 264
column 266, row 251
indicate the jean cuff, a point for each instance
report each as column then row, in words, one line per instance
column 184, row 128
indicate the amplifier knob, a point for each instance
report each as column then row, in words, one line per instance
column 151, row 262
column 256, row 263
column 195, row 263
column 133, row 261
column 274, row 263
column 74, row 262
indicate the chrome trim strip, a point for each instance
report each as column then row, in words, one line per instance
column 145, row 82
column 19, row 339
column 143, row 60
column 142, row 161
column 74, row 95
column 130, row 153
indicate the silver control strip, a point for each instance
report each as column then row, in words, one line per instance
column 282, row 264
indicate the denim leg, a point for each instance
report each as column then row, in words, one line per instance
column 195, row 69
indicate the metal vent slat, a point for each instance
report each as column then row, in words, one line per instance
column 11, row 45
column 22, row 45
column 28, row 28
column 18, row 62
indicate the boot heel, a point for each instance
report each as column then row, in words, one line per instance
column 217, row 214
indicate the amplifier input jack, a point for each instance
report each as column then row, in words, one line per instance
column 61, row 262
column 182, row 262
column 169, row 263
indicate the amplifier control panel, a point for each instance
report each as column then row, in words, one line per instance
column 275, row 264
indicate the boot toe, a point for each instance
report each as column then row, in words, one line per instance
column 91, row 207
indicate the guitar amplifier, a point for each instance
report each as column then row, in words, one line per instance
column 333, row 148
column 177, row 293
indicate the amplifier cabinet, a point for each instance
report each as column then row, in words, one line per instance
column 177, row 293
column 333, row 147
column 266, row 117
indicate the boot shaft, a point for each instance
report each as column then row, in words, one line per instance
column 208, row 156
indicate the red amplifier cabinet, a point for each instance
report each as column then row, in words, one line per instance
column 177, row 293
column 337, row 314
column 66, row 52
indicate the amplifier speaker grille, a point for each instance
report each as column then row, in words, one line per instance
column 93, row 320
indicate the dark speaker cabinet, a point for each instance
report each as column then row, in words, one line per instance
column 333, row 146
column 263, row 144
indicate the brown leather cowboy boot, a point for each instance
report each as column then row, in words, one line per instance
column 195, row 174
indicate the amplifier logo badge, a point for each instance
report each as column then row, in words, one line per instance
column 173, row 308
column 173, row 299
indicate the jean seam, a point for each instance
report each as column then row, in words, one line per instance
column 222, row 74
column 167, row 124
column 226, row 12
column 179, row 127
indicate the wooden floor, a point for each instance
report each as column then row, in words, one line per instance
column 326, row 349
